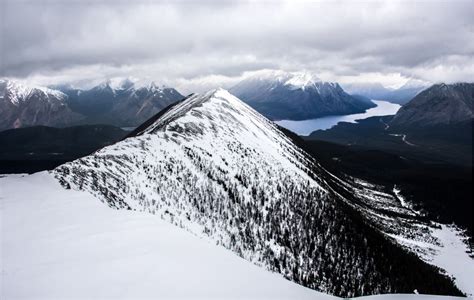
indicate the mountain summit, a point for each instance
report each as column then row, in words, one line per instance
column 22, row 105
column 296, row 96
column 216, row 167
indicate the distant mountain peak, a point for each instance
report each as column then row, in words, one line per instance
column 298, row 79
column 19, row 92
column 105, row 86
column 125, row 84
column 281, row 95
column 303, row 79
column 154, row 87
column 16, row 91
column 24, row 105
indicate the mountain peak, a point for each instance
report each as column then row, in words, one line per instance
column 125, row 84
column 19, row 92
column 301, row 95
column 153, row 85
column 302, row 79
column 298, row 79
column 218, row 101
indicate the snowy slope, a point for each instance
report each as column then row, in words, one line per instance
column 216, row 167
column 63, row 244
column 441, row 245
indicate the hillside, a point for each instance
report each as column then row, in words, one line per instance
column 440, row 105
column 54, row 253
column 214, row 166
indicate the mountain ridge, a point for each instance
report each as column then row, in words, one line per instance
column 220, row 166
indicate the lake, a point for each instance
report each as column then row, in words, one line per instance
column 305, row 127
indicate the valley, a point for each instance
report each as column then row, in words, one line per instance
column 306, row 127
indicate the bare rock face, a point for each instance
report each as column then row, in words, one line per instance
column 22, row 106
column 440, row 105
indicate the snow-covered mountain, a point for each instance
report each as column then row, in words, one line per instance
column 216, row 167
column 296, row 96
column 22, row 105
column 120, row 104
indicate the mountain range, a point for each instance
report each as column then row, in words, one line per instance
column 125, row 105
column 280, row 95
column 22, row 106
column 377, row 91
column 214, row 166
column 435, row 125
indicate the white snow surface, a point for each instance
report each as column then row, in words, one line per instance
column 19, row 92
column 64, row 244
column 302, row 79
column 444, row 246
column 296, row 80
column 450, row 254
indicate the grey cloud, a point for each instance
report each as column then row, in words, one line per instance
column 187, row 41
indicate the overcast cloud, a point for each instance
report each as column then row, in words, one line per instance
column 195, row 45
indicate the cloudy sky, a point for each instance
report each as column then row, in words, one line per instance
column 196, row 45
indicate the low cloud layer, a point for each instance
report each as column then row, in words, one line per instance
column 195, row 45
